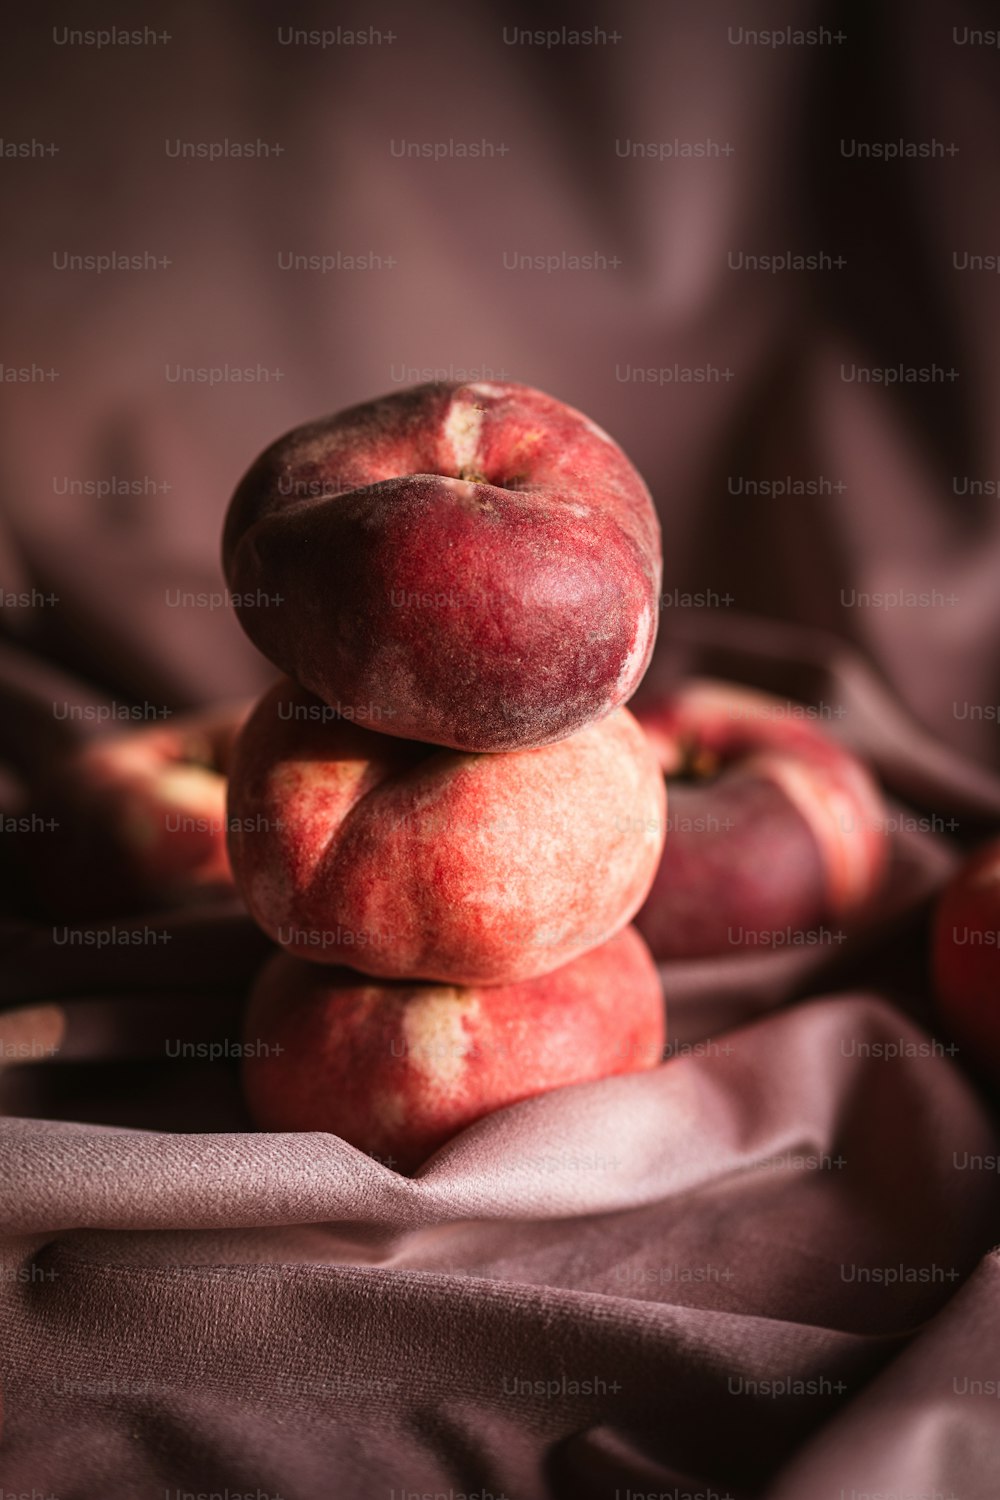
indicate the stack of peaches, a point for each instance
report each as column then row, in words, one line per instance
column 443, row 814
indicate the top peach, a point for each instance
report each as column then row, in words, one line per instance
column 476, row 566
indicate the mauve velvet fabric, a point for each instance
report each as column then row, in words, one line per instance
column 766, row 1268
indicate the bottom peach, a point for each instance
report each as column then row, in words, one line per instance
column 398, row 1067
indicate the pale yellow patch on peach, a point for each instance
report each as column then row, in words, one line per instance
column 191, row 787
column 462, row 430
column 434, row 1037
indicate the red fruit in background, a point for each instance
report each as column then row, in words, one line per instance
column 475, row 566
column 966, row 957
column 140, row 818
column 774, row 828
column 409, row 861
column 398, row 1068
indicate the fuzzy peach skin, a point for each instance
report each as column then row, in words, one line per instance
column 410, row 861
column 476, row 566
column 396, row 1068
column 966, row 958
column 774, row 828
column 140, row 815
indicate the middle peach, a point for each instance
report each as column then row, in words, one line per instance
column 404, row 860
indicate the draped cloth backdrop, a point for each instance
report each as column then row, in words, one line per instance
column 764, row 1269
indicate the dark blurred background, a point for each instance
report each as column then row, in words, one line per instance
column 419, row 168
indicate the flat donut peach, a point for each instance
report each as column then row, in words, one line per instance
column 139, row 815
column 476, row 566
column 396, row 1068
column 774, row 828
column 410, row 861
